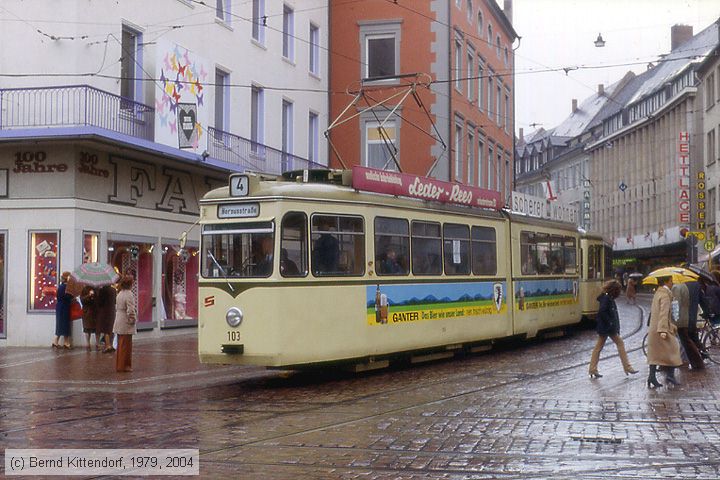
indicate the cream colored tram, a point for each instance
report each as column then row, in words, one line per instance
column 299, row 273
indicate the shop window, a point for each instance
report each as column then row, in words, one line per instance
column 90, row 247
column 392, row 246
column 44, row 261
column 456, row 240
column 179, row 282
column 426, row 248
column 3, row 275
column 136, row 259
column 293, row 245
column 338, row 245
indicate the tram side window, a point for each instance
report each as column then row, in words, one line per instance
column 595, row 262
column 293, row 245
column 338, row 245
column 456, row 239
column 484, row 251
column 238, row 250
column 426, row 248
column 392, row 246
column 528, row 254
column 570, row 254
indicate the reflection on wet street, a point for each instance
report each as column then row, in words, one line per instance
column 519, row 412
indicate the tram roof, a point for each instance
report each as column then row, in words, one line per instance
column 336, row 189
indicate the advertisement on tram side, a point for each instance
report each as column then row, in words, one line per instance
column 536, row 294
column 393, row 304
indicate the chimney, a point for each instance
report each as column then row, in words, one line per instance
column 521, row 133
column 680, row 34
column 601, row 89
column 507, row 8
column 574, row 105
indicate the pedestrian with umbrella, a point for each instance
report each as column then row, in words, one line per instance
column 101, row 276
column 663, row 348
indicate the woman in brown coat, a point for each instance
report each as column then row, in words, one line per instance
column 105, row 311
column 124, row 328
column 663, row 348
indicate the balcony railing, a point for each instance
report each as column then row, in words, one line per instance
column 72, row 106
column 250, row 155
column 83, row 105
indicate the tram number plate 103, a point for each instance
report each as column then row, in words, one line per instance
column 233, row 336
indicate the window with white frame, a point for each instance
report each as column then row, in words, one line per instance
column 490, row 35
column 257, row 118
column 258, row 21
column 508, row 174
column 490, row 169
column 288, row 32
column 480, row 81
column 470, row 12
column 711, row 147
column 481, row 169
column 287, row 134
column 313, row 136
column 380, row 44
column 497, row 46
column 130, row 64
column 507, row 111
column 379, row 142
column 458, row 65
column 222, row 10
column 470, row 75
column 710, row 91
column 498, row 174
column 470, row 156
column 221, row 100
column 498, row 104
column 458, row 149
column 490, row 94
column 480, row 22
column 314, row 62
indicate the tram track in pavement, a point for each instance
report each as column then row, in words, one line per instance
column 605, row 472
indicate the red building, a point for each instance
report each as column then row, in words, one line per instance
column 437, row 77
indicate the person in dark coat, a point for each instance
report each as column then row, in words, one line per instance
column 105, row 308
column 62, row 313
column 608, row 325
column 89, row 316
column 681, row 293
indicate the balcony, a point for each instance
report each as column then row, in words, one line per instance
column 74, row 106
column 85, row 106
column 249, row 155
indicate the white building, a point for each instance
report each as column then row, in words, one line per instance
column 116, row 117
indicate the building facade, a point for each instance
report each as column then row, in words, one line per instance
column 648, row 163
column 456, row 58
column 116, row 117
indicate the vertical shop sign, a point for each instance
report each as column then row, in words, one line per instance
column 684, row 178
column 700, row 186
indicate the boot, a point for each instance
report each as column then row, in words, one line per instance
column 652, row 381
column 670, row 376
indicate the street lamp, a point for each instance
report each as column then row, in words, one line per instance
column 599, row 42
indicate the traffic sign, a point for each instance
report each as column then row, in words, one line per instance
column 709, row 246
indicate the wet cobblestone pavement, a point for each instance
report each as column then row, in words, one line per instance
column 517, row 413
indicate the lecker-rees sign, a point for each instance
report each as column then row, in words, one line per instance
column 407, row 185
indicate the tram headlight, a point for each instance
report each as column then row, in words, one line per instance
column 234, row 317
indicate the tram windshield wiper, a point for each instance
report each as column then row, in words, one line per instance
column 222, row 270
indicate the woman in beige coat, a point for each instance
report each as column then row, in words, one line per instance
column 124, row 327
column 662, row 348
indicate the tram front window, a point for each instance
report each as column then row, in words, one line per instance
column 238, row 250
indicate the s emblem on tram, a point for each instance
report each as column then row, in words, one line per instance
column 209, row 301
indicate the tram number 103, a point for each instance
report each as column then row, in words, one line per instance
column 233, row 336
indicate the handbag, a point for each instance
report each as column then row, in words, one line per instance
column 75, row 310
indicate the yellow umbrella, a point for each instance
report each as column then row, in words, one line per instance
column 678, row 274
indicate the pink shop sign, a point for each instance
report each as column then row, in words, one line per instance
column 407, row 185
